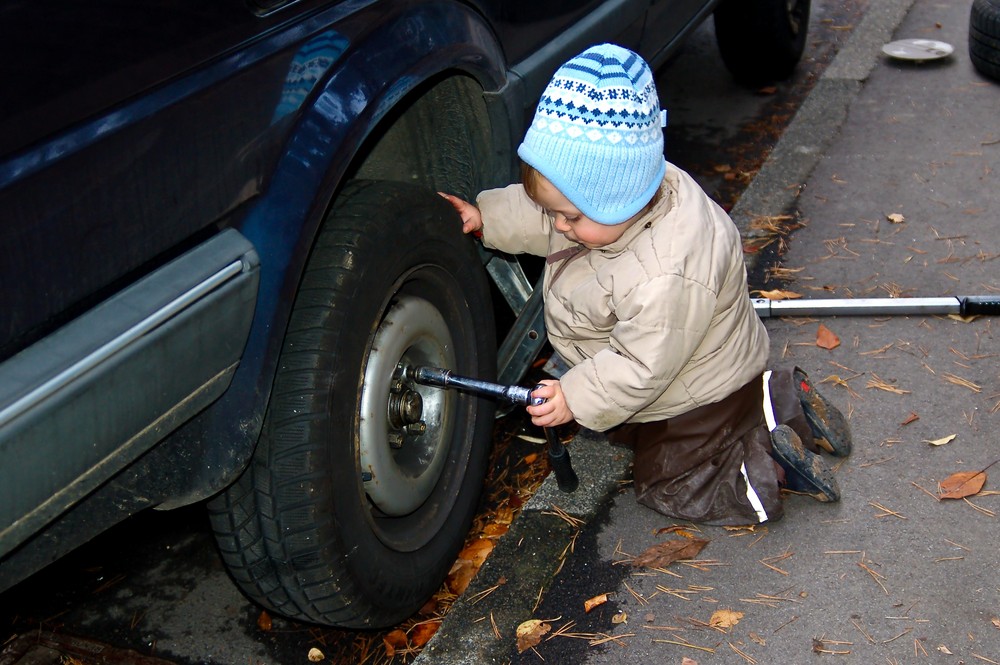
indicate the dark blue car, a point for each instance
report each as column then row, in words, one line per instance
column 221, row 248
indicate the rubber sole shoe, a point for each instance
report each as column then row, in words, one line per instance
column 829, row 426
column 805, row 471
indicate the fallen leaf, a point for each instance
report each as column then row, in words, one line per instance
column 996, row 622
column 315, row 655
column 264, row 621
column 779, row 294
column 621, row 617
column 423, row 632
column 663, row 554
column 826, row 339
column 395, row 640
column 688, row 661
column 724, row 619
column 530, row 458
column 943, row 440
column 910, row 418
column 530, row 633
column 461, row 576
column 679, row 530
column 895, row 218
column 477, row 551
column 943, row 649
column 495, row 530
column 596, row 601
column 961, row 484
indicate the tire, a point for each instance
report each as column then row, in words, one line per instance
column 761, row 41
column 984, row 37
column 330, row 523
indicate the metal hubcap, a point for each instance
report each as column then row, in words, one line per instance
column 405, row 429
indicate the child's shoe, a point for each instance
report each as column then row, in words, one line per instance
column 829, row 426
column 805, row 471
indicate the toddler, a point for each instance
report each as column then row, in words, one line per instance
column 646, row 300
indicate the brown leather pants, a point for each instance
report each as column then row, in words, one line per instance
column 713, row 464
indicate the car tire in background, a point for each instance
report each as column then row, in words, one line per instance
column 761, row 41
column 984, row 37
column 363, row 486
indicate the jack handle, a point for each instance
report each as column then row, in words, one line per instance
column 559, row 457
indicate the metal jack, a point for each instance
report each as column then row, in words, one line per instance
column 566, row 477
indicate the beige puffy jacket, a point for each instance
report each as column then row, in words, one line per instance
column 653, row 325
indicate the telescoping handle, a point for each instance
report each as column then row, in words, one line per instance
column 559, row 457
column 961, row 305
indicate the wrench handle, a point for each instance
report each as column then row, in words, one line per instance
column 566, row 477
column 559, row 458
column 985, row 305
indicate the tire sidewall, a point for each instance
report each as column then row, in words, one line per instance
column 417, row 237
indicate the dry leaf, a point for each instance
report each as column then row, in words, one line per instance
column 596, row 601
column 477, row 551
column 495, row 530
column 910, row 418
column 315, row 655
column 895, row 218
column 961, row 484
column 779, row 294
column 264, row 621
column 826, row 339
column 943, row 440
column 725, row 619
column 530, row 633
column 423, row 632
column 996, row 622
column 663, row 554
column 395, row 640
column 530, row 458
column 461, row 576
column 679, row 530
column 687, row 661
column 621, row 617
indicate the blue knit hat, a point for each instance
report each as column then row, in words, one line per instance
column 597, row 134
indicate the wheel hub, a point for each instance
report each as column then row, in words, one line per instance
column 405, row 430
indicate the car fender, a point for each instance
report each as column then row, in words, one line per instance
column 359, row 91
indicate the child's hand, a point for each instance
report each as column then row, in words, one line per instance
column 554, row 411
column 472, row 219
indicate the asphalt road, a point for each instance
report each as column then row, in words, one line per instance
column 153, row 589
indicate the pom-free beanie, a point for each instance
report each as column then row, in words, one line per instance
column 597, row 134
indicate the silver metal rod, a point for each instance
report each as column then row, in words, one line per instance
column 857, row 306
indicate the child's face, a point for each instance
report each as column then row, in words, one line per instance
column 573, row 224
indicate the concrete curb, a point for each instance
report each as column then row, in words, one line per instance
column 526, row 558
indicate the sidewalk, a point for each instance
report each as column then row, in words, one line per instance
column 890, row 574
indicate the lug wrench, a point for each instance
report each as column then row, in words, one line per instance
column 558, row 455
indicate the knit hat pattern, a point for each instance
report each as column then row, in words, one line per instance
column 597, row 134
